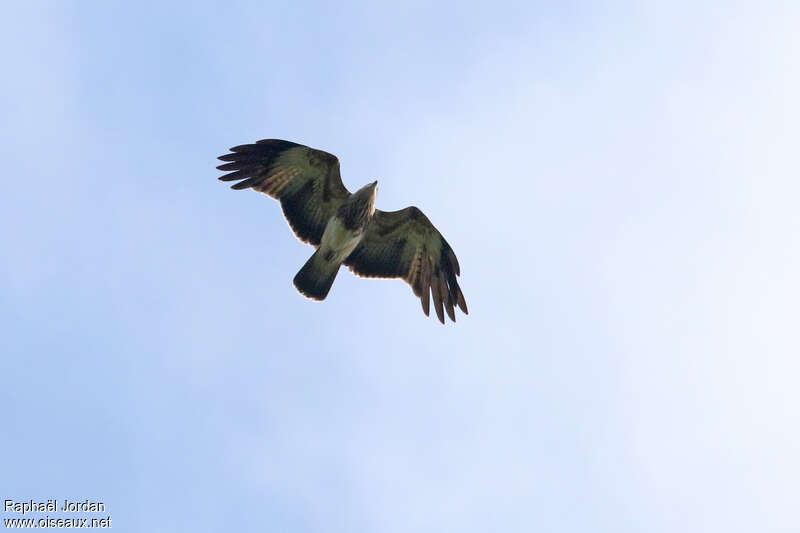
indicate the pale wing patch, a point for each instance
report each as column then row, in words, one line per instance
column 275, row 183
column 415, row 272
column 419, row 276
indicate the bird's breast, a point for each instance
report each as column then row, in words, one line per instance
column 338, row 241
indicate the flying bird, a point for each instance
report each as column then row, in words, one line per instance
column 345, row 227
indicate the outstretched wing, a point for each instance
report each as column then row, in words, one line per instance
column 306, row 181
column 404, row 244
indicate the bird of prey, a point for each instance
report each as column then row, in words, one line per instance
column 345, row 227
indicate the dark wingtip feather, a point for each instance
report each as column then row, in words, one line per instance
column 426, row 300
column 451, row 312
column 242, row 147
column 437, row 299
column 230, row 166
column 453, row 261
column 238, row 175
column 444, row 291
column 246, row 184
column 462, row 303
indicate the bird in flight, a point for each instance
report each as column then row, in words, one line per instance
column 345, row 227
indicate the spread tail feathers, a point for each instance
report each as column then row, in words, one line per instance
column 316, row 277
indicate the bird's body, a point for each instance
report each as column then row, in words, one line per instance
column 342, row 235
column 338, row 242
column 346, row 228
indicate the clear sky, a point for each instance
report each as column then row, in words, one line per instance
column 618, row 179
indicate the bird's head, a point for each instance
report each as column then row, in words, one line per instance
column 368, row 193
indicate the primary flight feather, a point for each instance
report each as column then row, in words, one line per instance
column 345, row 227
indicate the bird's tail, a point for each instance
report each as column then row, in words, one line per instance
column 316, row 277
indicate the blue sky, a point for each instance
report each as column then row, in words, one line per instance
column 618, row 179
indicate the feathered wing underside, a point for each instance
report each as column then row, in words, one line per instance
column 404, row 244
column 306, row 181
